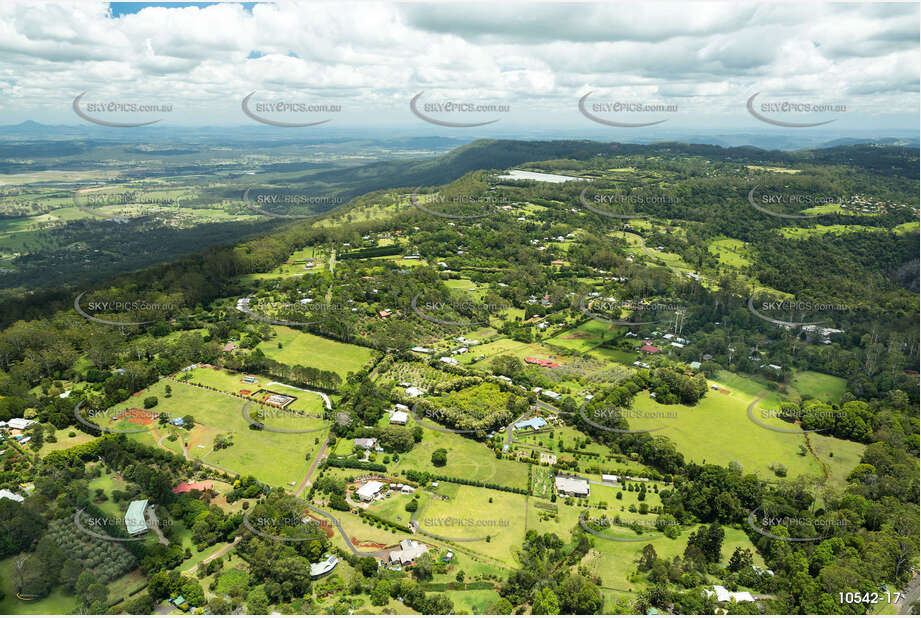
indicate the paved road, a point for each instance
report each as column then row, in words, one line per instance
column 345, row 537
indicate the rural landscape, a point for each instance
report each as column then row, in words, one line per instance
column 245, row 374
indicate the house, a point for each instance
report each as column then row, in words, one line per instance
column 412, row 391
column 20, row 423
column 609, row 478
column 448, row 556
column 8, row 495
column 408, row 552
column 384, row 313
column 694, row 365
column 366, row 443
column 552, row 395
column 448, row 360
column 724, row 596
column 178, row 422
column 422, row 350
column 249, row 379
column 369, row 491
column 572, row 486
column 406, row 489
column 532, row 423
column 505, row 379
column 398, row 417
column 401, row 407
column 319, row 569
column 675, row 344
column 650, row 349
column 230, row 346
column 134, row 518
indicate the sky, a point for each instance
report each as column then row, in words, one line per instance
column 688, row 66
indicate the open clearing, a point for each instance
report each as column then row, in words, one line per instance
column 300, row 348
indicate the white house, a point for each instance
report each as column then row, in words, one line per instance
column 398, row 417
column 409, row 551
column 369, row 491
column 8, row 495
column 447, row 360
column 572, row 486
column 20, row 423
column 724, row 596
column 412, row 391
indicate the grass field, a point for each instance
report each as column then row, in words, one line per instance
column 306, row 349
column 275, row 458
column 58, row 602
column 509, row 347
column 230, row 382
column 730, row 252
column 467, row 459
column 474, row 513
column 718, row 430
column 819, row 385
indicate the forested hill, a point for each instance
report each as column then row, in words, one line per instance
column 501, row 154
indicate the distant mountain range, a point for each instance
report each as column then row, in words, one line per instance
column 403, row 137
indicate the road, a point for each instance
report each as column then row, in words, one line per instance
column 345, row 537
column 154, row 524
column 912, row 592
column 303, row 485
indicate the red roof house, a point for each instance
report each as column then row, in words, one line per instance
column 184, row 487
column 650, row 349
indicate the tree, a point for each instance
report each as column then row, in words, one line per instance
column 545, row 603
column 647, row 558
column 440, row 457
column 380, row 594
column 741, row 559
column 150, row 402
column 423, row 568
column 578, row 595
column 257, row 602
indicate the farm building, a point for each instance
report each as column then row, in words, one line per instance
column 572, row 486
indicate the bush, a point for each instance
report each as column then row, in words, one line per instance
column 150, row 402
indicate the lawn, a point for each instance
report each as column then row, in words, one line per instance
column 58, row 602
column 731, row 252
column 217, row 413
column 300, row 348
column 476, row 513
column 467, row 459
column 820, row 386
column 718, row 430
column 615, row 562
column 232, row 382
column 506, row 347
